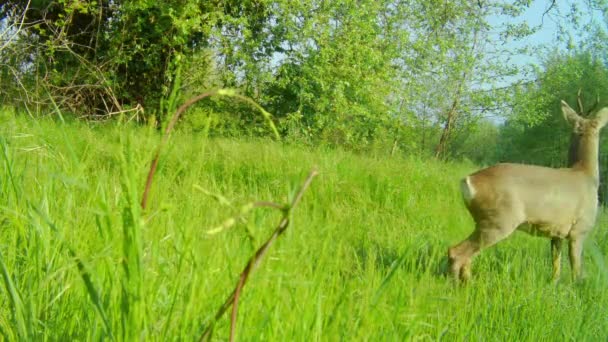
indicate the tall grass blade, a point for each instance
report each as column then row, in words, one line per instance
column 62, row 127
column 83, row 271
column 16, row 302
column 599, row 260
column 132, row 305
column 9, row 168
column 391, row 273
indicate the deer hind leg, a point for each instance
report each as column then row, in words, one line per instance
column 484, row 236
column 556, row 254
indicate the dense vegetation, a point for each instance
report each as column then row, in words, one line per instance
column 412, row 77
column 362, row 261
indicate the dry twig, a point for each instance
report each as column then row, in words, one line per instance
column 177, row 115
column 233, row 298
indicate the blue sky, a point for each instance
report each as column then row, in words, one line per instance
column 555, row 28
column 548, row 26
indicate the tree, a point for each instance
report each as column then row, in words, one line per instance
column 98, row 57
column 536, row 129
column 357, row 73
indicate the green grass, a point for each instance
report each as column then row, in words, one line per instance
column 362, row 259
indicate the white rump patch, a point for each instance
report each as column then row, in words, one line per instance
column 467, row 189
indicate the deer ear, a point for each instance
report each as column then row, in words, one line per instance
column 569, row 114
column 602, row 117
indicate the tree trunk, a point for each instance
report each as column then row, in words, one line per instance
column 447, row 128
column 440, row 151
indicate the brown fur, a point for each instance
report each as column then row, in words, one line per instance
column 556, row 203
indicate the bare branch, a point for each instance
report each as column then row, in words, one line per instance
column 164, row 140
column 12, row 37
column 177, row 115
column 542, row 18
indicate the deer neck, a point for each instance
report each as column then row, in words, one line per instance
column 583, row 155
column 573, row 152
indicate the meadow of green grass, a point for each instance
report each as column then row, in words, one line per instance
column 362, row 259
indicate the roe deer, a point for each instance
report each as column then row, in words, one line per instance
column 556, row 203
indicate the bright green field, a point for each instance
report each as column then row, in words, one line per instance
column 362, row 259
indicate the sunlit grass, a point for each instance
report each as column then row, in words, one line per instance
column 362, row 260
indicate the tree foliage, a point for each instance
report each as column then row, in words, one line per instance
column 536, row 132
column 408, row 76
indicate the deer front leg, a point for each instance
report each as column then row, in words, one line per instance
column 576, row 253
column 556, row 254
column 460, row 256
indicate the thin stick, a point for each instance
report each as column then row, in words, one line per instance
column 235, row 305
column 580, row 102
column 253, row 262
